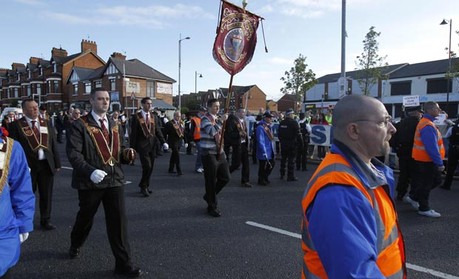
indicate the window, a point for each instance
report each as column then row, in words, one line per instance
column 151, row 89
column 112, row 84
column 87, row 87
column 54, row 67
column 75, row 88
column 55, row 84
column 16, row 92
column 97, row 83
column 38, row 89
column 438, row 85
column 29, row 90
column 41, row 70
column 400, row 88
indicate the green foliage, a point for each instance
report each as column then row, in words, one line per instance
column 299, row 79
column 369, row 63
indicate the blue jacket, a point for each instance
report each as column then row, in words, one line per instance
column 264, row 143
column 17, row 207
column 341, row 221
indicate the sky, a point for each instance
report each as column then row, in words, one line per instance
column 149, row 30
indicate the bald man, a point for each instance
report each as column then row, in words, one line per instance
column 349, row 219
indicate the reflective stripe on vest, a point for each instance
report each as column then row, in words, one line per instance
column 197, row 128
column 335, row 170
column 419, row 152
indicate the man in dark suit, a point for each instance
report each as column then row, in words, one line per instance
column 37, row 137
column 175, row 133
column 94, row 148
column 237, row 140
column 144, row 130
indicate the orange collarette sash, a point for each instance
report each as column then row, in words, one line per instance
column 108, row 154
column 268, row 131
column 178, row 129
column 5, row 154
column 34, row 142
column 242, row 132
column 148, row 131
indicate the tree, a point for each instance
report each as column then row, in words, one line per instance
column 370, row 64
column 299, row 79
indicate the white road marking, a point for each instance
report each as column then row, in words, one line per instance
column 408, row 265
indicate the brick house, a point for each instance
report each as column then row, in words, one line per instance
column 288, row 101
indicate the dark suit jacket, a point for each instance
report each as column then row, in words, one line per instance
column 172, row 137
column 232, row 135
column 137, row 139
column 51, row 154
column 84, row 157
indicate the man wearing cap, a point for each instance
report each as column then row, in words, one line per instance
column 289, row 136
column 265, row 152
column 403, row 142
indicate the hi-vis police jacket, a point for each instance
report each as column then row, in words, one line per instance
column 350, row 226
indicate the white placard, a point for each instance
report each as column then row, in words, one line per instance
column 411, row 101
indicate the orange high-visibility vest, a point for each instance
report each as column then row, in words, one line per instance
column 335, row 170
column 197, row 128
column 419, row 152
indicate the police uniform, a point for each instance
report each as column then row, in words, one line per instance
column 289, row 135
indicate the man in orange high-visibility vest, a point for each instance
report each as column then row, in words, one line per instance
column 428, row 152
column 350, row 226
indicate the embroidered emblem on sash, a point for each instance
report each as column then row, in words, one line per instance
column 109, row 153
column 35, row 142
column 148, row 130
column 178, row 129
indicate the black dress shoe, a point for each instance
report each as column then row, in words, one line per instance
column 246, row 184
column 171, row 171
column 47, row 226
column 149, row 191
column 144, row 192
column 262, row 183
column 179, row 173
column 74, row 253
column 131, row 272
column 214, row 212
column 292, row 179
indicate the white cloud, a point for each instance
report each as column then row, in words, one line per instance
column 155, row 17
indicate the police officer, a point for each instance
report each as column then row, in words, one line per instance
column 302, row 149
column 453, row 156
column 404, row 146
column 289, row 136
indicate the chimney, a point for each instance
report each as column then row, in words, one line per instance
column 34, row 60
column 58, row 52
column 118, row 55
column 15, row 66
column 87, row 46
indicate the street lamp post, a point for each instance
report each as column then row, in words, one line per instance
column 196, row 81
column 448, row 89
column 179, row 68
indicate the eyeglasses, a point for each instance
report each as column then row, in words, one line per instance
column 149, row 104
column 382, row 123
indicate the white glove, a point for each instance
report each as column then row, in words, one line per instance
column 97, row 176
column 165, row 146
column 23, row 237
column 186, row 145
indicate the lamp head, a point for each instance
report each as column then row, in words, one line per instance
column 444, row 22
column 187, row 38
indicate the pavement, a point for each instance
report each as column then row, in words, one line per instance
column 257, row 236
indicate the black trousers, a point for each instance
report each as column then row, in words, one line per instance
column 265, row 167
column 175, row 159
column 239, row 157
column 43, row 180
column 288, row 152
column 147, row 160
column 453, row 158
column 407, row 167
column 112, row 200
column 302, row 156
column 216, row 176
column 425, row 179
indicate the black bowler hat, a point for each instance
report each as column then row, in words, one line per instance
column 268, row 114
